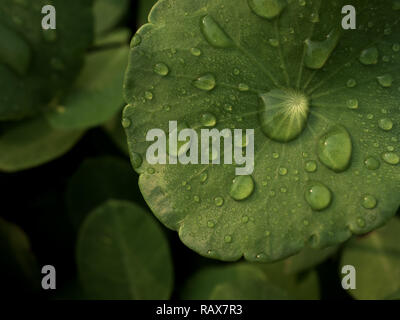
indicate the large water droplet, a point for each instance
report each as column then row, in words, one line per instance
column 369, row 202
column 385, row 81
column 335, row 149
column 318, row 52
column 391, row 158
column 268, row 9
column 14, row 51
column 371, row 163
column 214, row 33
column 283, row 114
column 318, row 196
column 208, row 120
column 385, row 124
column 369, row 56
column 206, row 82
column 242, row 187
column 161, row 69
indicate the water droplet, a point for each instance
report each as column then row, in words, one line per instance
column 283, row 114
column 210, row 224
column 136, row 160
column 369, row 56
column 369, row 202
column 242, row 187
column 245, row 219
column 352, row 104
column 236, row 71
column 161, row 69
column 228, row 239
column 396, row 47
column 371, row 163
column 148, row 95
column 208, row 120
column 385, row 80
column 15, row 51
column 318, row 196
column 206, row 82
column 283, row 171
column 214, row 34
column 243, row 87
column 335, row 149
column 203, row 177
column 351, row 83
column 196, row 198
column 136, row 40
column 268, row 9
column 274, row 42
column 126, row 123
column 391, row 158
column 318, row 52
column 196, row 52
column 275, row 155
column 219, row 201
column 361, row 222
column 385, row 124
column 311, row 166
column 151, row 170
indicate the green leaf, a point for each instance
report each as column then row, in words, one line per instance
column 123, row 254
column 117, row 133
column 18, row 264
column 328, row 171
column 96, row 181
column 36, row 65
column 31, row 143
column 231, row 282
column 107, row 14
column 96, row 96
column 144, row 10
column 376, row 258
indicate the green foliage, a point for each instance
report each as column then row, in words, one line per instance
column 333, row 174
column 123, row 254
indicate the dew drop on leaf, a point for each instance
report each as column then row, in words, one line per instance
column 283, row 114
column 351, row 83
column 318, row 52
column 385, row 81
column 126, row 123
column 195, row 52
column 243, row 87
column 219, row 201
column 206, row 82
column 242, row 187
column 369, row 202
column 318, row 196
column 311, row 166
column 283, row 171
column 385, row 124
column 268, row 9
column 136, row 160
column 208, row 120
column 369, row 56
column 274, row 42
column 161, row 69
column 371, row 163
column 228, row 239
column 214, row 33
column 352, row 104
column 391, row 158
column 335, row 149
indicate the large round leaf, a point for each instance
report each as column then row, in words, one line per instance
column 37, row 64
column 123, row 254
column 323, row 103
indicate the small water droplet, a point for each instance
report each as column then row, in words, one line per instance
column 210, row 224
column 195, row 52
column 228, row 239
column 311, row 166
column 268, row 9
column 318, row 52
column 369, row 56
column 219, row 201
column 352, row 104
column 283, row 171
column 126, row 123
column 385, row 124
column 242, row 187
column 148, row 95
column 206, row 82
column 274, row 42
column 369, row 202
column 361, row 222
column 385, row 81
column 396, row 47
column 243, row 87
column 283, row 114
column 203, row 177
column 208, row 120
column 245, row 219
column 275, row 155
column 371, row 163
column 391, row 158
column 214, row 34
column 161, row 69
column 335, row 149
column 318, row 196
column 151, row 170
column 351, row 83
column 302, row 3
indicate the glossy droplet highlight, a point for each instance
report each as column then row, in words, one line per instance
column 369, row 56
column 195, row 52
column 208, row 120
column 161, row 69
column 283, row 114
column 206, row 82
column 371, row 163
column 242, row 187
column 369, row 202
column 318, row 52
column 385, row 124
column 228, row 239
column 311, row 166
column 385, row 81
column 214, row 34
column 352, row 104
column 318, row 196
column 351, row 83
column 268, row 9
column 391, row 158
column 126, row 123
column 219, row 202
column 335, row 149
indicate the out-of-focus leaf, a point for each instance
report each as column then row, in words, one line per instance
column 376, row 258
column 97, row 94
column 107, row 13
column 144, row 10
column 33, row 142
column 120, row 36
column 96, row 181
column 241, row 281
column 18, row 266
column 117, row 133
column 122, row 253
column 37, row 65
